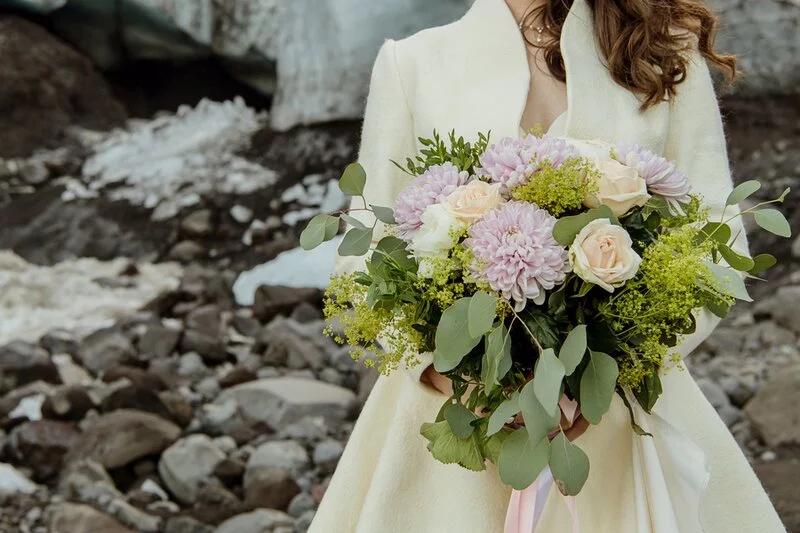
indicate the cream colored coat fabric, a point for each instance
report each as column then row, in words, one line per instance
column 472, row 76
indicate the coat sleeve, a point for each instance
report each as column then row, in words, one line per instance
column 387, row 135
column 696, row 142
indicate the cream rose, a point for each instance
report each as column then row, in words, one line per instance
column 619, row 187
column 470, row 202
column 602, row 254
column 435, row 237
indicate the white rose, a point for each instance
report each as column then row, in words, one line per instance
column 619, row 187
column 434, row 238
column 602, row 254
column 472, row 201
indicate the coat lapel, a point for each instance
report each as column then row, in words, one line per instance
column 597, row 107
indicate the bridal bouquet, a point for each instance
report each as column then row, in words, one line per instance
column 545, row 275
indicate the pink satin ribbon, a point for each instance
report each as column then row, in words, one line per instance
column 526, row 506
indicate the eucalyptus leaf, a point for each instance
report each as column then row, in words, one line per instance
column 331, row 227
column 742, row 192
column 718, row 231
column 522, row 459
column 482, row 313
column 353, row 180
column 391, row 244
column 356, row 242
column 314, row 233
column 453, row 339
column 497, row 358
column 537, row 420
column 504, row 411
column 494, row 444
column 354, row 222
column 547, row 380
column 730, row 282
column 598, row 383
column 784, row 194
column 762, row 263
column 574, row 348
column 567, row 228
column 739, row 262
column 384, row 214
column 460, row 419
column 569, row 464
column 447, row 448
column 774, row 222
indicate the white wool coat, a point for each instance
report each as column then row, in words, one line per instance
column 472, row 76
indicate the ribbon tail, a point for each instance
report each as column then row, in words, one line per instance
column 520, row 516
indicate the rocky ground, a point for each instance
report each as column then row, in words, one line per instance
column 142, row 388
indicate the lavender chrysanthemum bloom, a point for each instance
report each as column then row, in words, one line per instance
column 516, row 254
column 511, row 161
column 431, row 187
column 662, row 177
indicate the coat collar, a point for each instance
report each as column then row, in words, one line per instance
column 494, row 40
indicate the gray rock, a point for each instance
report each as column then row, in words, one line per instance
column 187, row 251
column 774, row 411
column 782, row 306
column 327, row 455
column 713, row 393
column 209, row 347
column 158, row 342
column 258, row 521
column 208, row 388
column 301, row 504
column 198, row 224
column 22, row 363
column 237, row 376
column 59, row 341
column 286, row 454
column 192, row 365
column 121, row 437
column 796, row 248
column 282, row 401
column 304, row 522
column 105, row 349
column 342, row 360
column 71, row 518
column 67, row 403
column 206, row 319
column 225, row 444
column 308, row 429
column 273, row 300
column 330, row 375
column 245, row 324
column 187, row 464
column 271, row 488
column 305, row 313
column 740, row 390
column 42, row 445
column 185, row 524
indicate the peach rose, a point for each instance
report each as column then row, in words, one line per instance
column 619, row 187
column 470, row 202
column 602, row 253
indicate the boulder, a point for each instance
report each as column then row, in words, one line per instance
column 258, row 521
column 118, row 438
column 282, row 401
column 780, row 480
column 42, row 445
column 71, row 518
column 774, row 411
column 273, row 300
column 48, row 88
column 187, row 464
column 105, row 349
column 781, row 306
column 22, row 363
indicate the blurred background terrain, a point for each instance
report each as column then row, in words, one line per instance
column 162, row 363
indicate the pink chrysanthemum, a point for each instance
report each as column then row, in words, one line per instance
column 516, row 254
column 662, row 177
column 511, row 161
column 429, row 188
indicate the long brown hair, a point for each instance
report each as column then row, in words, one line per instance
column 643, row 42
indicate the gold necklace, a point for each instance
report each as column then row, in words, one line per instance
column 538, row 29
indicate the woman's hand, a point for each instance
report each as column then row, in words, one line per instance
column 433, row 379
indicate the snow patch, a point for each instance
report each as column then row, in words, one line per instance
column 12, row 481
column 294, row 268
column 70, row 295
column 170, row 162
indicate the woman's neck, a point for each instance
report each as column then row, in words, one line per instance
column 520, row 7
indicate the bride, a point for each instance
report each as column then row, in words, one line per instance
column 619, row 70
